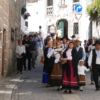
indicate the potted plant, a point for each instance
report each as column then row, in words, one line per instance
column 26, row 16
column 93, row 10
column 23, row 10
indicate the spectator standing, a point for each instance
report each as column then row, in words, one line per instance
column 33, row 50
column 20, row 52
column 26, row 43
column 59, row 32
column 36, row 39
column 90, row 48
column 41, row 34
column 52, row 30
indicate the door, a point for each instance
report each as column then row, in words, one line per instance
column 61, row 25
column 2, row 71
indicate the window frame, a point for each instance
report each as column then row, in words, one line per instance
column 74, row 28
column 49, row 4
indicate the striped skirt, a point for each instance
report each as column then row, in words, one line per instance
column 82, row 81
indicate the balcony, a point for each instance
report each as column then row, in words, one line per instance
column 50, row 10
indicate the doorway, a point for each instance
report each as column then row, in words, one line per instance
column 63, row 24
column 2, row 70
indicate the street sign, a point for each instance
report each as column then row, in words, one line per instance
column 78, row 16
column 78, row 8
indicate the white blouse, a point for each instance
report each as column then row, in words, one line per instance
column 82, row 69
column 69, row 54
column 20, row 50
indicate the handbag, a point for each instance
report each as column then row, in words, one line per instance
column 42, row 59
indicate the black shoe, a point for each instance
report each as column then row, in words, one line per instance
column 97, row 89
column 81, row 90
column 58, row 89
column 33, row 67
column 70, row 91
column 65, row 91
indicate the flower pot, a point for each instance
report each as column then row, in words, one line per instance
column 25, row 17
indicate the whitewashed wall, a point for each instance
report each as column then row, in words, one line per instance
column 42, row 19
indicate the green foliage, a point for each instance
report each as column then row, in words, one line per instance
column 93, row 10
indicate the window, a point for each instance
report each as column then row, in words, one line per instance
column 49, row 2
column 76, row 28
column 26, row 23
column 75, row 0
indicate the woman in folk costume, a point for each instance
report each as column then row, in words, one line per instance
column 70, row 74
column 48, row 63
column 81, row 74
column 56, row 74
column 65, row 42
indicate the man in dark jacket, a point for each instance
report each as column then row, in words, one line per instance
column 26, row 43
column 94, row 63
column 80, row 51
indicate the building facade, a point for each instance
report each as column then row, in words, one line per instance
column 61, row 13
column 96, row 28
column 10, row 33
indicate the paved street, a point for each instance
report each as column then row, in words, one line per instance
column 29, row 87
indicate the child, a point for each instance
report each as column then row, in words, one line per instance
column 81, row 74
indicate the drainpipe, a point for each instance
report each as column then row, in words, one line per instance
column 20, row 19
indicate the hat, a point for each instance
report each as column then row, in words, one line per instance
column 73, row 36
column 78, row 41
column 52, row 34
column 66, row 38
column 97, row 42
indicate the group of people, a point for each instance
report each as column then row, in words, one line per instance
column 28, row 49
column 65, row 63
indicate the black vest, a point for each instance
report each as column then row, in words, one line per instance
column 80, row 53
column 94, row 56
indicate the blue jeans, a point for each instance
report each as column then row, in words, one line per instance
column 42, row 41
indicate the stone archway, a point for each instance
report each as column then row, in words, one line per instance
column 63, row 24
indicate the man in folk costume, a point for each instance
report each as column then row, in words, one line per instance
column 94, row 63
column 48, row 63
column 80, row 50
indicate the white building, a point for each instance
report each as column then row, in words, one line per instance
column 61, row 13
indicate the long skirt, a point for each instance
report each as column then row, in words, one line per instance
column 55, row 78
column 45, row 77
column 71, row 81
column 81, row 80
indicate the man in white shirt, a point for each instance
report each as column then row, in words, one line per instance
column 52, row 29
column 94, row 63
column 59, row 32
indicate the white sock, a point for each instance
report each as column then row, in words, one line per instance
column 81, row 88
column 60, row 87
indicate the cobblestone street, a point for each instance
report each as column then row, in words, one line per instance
column 28, row 86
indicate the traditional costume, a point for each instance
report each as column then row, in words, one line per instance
column 70, row 74
column 94, row 61
column 56, row 74
column 81, row 74
column 48, row 65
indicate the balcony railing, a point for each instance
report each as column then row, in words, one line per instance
column 50, row 10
